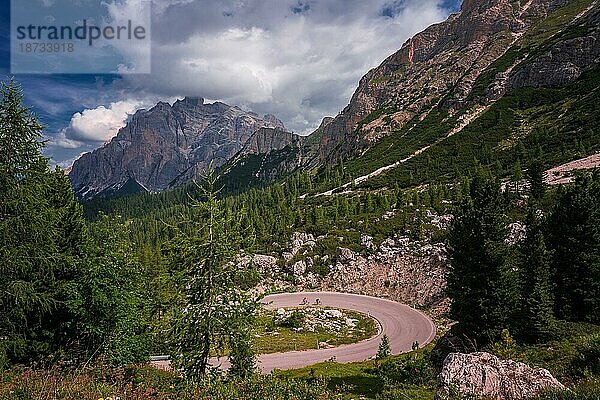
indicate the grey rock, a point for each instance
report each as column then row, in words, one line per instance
column 300, row 240
column 367, row 241
column 485, row 375
column 516, row 233
column 299, row 268
column 407, row 271
column 265, row 263
column 266, row 140
column 566, row 59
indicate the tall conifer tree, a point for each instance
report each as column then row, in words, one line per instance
column 537, row 290
column 482, row 282
column 216, row 313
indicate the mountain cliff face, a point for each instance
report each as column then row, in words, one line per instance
column 439, row 67
column 267, row 155
column 167, row 146
column 266, row 140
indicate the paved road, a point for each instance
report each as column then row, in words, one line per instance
column 402, row 324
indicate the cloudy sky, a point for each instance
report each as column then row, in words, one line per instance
column 298, row 59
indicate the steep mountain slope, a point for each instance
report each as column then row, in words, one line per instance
column 539, row 100
column 167, row 146
column 439, row 68
column 445, row 81
column 267, row 155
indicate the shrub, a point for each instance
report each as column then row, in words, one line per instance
column 414, row 369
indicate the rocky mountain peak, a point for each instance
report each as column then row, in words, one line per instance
column 325, row 121
column 266, row 140
column 193, row 101
column 167, row 146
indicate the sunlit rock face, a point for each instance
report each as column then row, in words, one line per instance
column 439, row 67
column 484, row 375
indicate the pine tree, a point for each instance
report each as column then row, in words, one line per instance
column 110, row 300
column 20, row 139
column 481, row 281
column 216, row 313
column 43, row 241
column 535, row 173
column 385, row 349
column 574, row 236
column 517, row 177
column 242, row 358
column 537, row 291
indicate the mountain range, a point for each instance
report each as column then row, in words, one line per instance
column 495, row 80
column 169, row 145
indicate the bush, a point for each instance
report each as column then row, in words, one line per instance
column 413, row 369
column 294, row 321
column 588, row 390
column 588, row 362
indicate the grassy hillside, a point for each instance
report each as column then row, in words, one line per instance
column 554, row 125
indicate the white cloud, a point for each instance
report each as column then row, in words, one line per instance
column 61, row 140
column 102, row 123
column 136, row 54
column 66, row 163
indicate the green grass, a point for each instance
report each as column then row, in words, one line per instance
column 401, row 144
column 586, row 390
column 554, row 23
column 394, row 377
column 558, row 124
column 147, row 383
column 272, row 338
column 355, row 379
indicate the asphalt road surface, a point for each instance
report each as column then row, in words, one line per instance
column 402, row 324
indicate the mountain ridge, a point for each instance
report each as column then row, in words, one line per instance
column 167, row 145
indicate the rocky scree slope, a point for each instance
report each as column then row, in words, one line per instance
column 167, row 146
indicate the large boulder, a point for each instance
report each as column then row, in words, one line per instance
column 485, row 375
